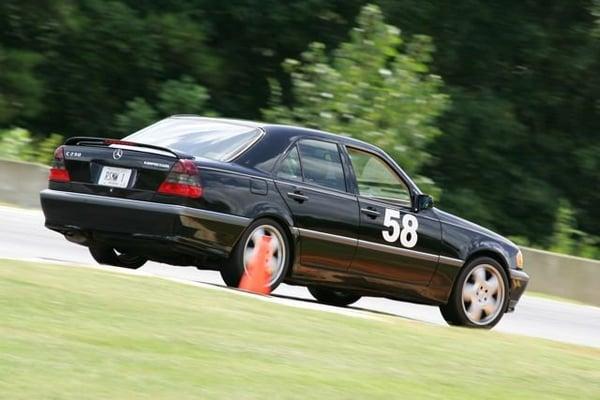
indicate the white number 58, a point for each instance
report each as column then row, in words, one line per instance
column 407, row 233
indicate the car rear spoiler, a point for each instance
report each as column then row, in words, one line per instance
column 95, row 141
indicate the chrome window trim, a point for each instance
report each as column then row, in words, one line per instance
column 243, row 149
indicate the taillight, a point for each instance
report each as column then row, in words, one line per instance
column 58, row 171
column 183, row 180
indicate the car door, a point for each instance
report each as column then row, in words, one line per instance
column 311, row 179
column 395, row 242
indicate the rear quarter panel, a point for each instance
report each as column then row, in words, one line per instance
column 241, row 194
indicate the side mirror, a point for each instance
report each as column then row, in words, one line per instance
column 424, row 201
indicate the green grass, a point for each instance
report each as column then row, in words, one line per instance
column 71, row 333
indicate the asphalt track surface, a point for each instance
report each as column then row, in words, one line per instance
column 23, row 236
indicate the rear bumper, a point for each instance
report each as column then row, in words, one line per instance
column 141, row 221
column 518, row 284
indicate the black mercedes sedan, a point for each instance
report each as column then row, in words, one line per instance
column 344, row 219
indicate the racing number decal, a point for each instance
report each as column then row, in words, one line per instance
column 407, row 233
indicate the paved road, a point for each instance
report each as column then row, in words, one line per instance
column 22, row 235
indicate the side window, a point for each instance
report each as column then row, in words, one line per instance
column 321, row 164
column 290, row 166
column 376, row 179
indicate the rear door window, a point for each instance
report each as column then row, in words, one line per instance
column 322, row 164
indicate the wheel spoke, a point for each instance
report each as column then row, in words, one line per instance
column 248, row 254
column 479, row 275
column 483, row 294
column 492, row 285
column 273, row 266
column 469, row 292
column 257, row 235
column 490, row 307
column 275, row 245
column 475, row 311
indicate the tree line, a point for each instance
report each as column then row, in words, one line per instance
column 494, row 106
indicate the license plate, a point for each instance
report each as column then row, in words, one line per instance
column 114, row 177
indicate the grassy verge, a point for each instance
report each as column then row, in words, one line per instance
column 69, row 333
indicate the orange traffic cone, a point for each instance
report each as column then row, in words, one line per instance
column 258, row 274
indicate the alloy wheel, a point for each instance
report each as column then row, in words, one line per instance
column 278, row 259
column 483, row 294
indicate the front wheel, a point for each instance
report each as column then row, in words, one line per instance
column 108, row 256
column 479, row 296
column 333, row 297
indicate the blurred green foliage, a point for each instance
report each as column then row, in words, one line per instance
column 15, row 144
column 182, row 96
column 521, row 129
column 138, row 113
column 567, row 239
column 43, row 150
column 20, row 89
column 18, row 144
column 374, row 87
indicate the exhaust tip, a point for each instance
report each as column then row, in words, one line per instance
column 76, row 237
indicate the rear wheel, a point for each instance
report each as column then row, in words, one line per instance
column 106, row 255
column 243, row 251
column 480, row 295
column 333, row 297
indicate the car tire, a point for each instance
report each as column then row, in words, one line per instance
column 106, row 255
column 333, row 297
column 235, row 267
column 479, row 296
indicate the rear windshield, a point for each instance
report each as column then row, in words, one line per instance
column 211, row 139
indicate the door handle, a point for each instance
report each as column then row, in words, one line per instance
column 371, row 212
column 297, row 196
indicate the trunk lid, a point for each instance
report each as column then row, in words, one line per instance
column 118, row 168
